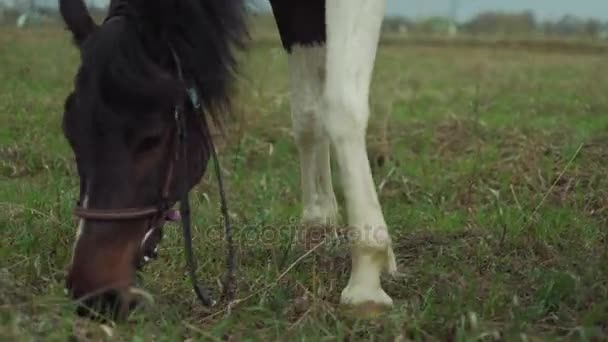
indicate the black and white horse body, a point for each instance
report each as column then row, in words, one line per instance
column 332, row 48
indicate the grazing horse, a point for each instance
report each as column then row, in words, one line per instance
column 130, row 116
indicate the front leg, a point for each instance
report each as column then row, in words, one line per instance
column 353, row 29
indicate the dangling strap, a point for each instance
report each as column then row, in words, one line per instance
column 229, row 283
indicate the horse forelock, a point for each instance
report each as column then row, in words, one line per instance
column 130, row 55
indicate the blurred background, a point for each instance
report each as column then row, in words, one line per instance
column 541, row 18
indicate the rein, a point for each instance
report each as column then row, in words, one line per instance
column 157, row 215
column 229, row 283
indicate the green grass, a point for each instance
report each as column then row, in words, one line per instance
column 493, row 184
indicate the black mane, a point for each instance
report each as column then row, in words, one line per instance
column 128, row 80
column 129, row 58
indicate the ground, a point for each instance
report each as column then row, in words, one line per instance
column 490, row 166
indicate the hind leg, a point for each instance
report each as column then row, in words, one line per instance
column 307, row 75
column 353, row 28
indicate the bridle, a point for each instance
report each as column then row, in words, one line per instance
column 157, row 214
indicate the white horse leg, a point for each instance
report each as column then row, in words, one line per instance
column 353, row 28
column 307, row 75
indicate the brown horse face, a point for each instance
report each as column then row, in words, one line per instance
column 123, row 162
column 124, row 156
column 120, row 124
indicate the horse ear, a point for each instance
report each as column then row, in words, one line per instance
column 77, row 18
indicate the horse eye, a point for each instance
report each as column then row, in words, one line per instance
column 148, row 143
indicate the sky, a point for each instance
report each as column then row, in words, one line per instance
column 544, row 9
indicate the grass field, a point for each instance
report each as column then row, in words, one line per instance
column 491, row 167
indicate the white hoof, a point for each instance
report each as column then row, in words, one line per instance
column 365, row 303
column 357, row 295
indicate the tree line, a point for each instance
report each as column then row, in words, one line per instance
column 501, row 23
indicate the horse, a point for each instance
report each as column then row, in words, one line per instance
column 141, row 143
